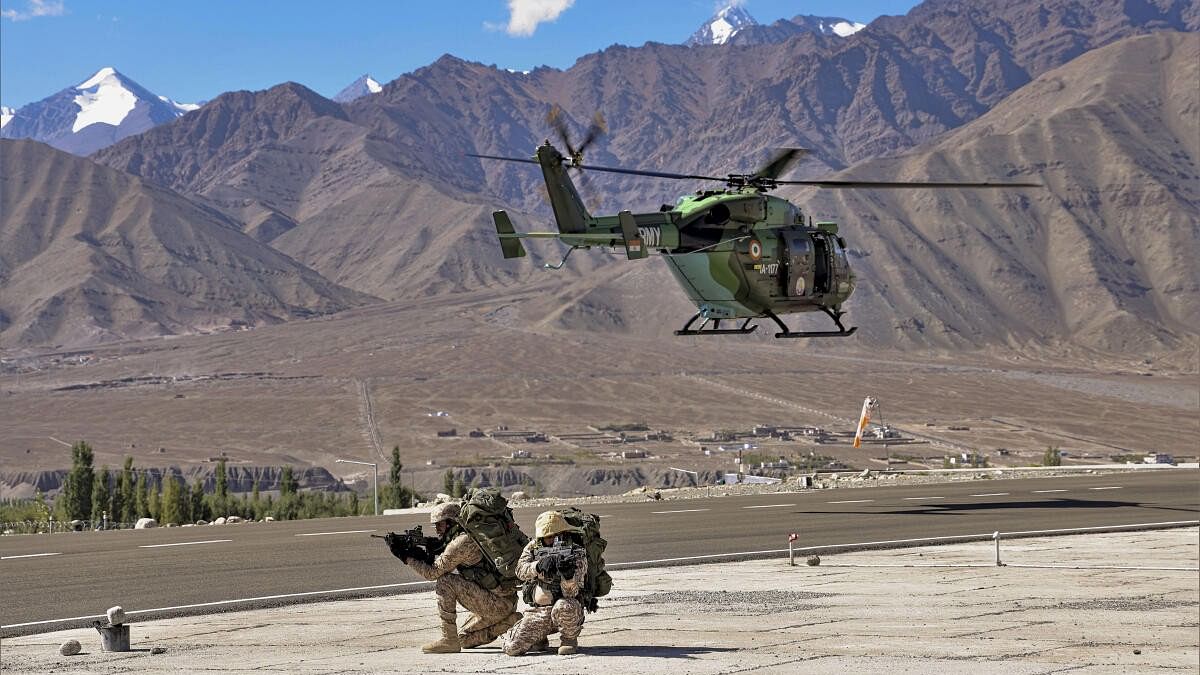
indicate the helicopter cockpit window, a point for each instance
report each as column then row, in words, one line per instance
column 717, row 215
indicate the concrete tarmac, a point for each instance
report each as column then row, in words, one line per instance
column 169, row 571
column 1099, row 603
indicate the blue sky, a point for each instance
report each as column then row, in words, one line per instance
column 192, row 51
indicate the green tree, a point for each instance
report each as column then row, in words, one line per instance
column 101, row 497
column 448, row 482
column 154, row 501
column 221, row 494
column 1052, row 457
column 255, row 502
column 393, row 496
column 354, row 506
column 125, row 502
column 198, row 510
column 460, row 488
column 169, row 507
column 78, row 493
column 141, row 499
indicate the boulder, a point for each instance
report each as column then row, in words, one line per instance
column 219, row 521
column 517, row 496
column 145, row 524
column 116, row 615
column 813, row 560
column 233, row 520
column 202, row 522
column 442, row 498
column 269, row 519
column 70, row 648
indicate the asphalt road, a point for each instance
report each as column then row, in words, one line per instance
column 66, row 577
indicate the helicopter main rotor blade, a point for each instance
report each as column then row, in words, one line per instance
column 891, row 185
column 505, row 159
column 652, row 174
column 780, row 162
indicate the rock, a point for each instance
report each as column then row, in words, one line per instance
column 116, row 615
column 158, row 650
column 219, row 521
column 866, row 473
column 70, row 648
column 441, row 498
column 517, row 496
column 269, row 519
column 202, row 522
column 170, row 525
column 233, row 520
column 188, row 525
column 145, row 524
column 812, row 560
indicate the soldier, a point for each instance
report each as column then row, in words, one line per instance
column 552, row 588
column 463, row 577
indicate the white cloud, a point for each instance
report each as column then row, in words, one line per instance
column 525, row 15
column 35, row 8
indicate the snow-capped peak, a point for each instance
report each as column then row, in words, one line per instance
column 363, row 86
column 6, row 114
column 846, row 28
column 103, row 98
column 722, row 26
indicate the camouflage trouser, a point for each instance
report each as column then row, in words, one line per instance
column 486, row 607
column 565, row 617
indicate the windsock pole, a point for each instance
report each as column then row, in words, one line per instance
column 864, row 419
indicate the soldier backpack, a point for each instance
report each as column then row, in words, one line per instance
column 485, row 516
column 598, row 583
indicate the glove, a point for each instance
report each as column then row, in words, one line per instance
column 566, row 568
column 397, row 547
column 547, row 566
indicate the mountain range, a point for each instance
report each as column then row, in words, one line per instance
column 733, row 25
column 376, row 195
column 93, row 114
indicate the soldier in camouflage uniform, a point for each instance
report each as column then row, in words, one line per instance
column 463, row 577
column 552, row 590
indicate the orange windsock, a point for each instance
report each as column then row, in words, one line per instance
column 863, row 419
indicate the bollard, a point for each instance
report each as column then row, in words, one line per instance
column 996, row 536
column 791, row 552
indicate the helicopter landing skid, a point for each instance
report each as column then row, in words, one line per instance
column 716, row 329
column 842, row 331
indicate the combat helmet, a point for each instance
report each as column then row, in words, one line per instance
column 447, row 511
column 550, row 523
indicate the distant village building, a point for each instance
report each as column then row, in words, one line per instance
column 633, row 454
column 448, row 434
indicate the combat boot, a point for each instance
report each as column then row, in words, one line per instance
column 568, row 646
column 449, row 644
column 483, row 636
column 541, row 645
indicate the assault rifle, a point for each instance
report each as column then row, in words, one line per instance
column 568, row 556
column 412, row 544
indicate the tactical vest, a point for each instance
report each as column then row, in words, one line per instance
column 553, row 587
column 481, row 573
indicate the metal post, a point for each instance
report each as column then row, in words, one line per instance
column 791, row 552
column 374, row 466
column 996, row 536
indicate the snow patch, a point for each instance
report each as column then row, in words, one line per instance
column 373, row 86
column 6, row 115
column 847, row 28
column 721, row 30
column 103, row 99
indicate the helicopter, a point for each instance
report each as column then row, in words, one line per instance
column 739, row 253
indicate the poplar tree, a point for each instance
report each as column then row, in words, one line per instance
column 101, row 497
column 80, row 480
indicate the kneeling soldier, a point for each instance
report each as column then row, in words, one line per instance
column 553, row 568
column 493, row 611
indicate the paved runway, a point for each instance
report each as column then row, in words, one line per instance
column 51, row 578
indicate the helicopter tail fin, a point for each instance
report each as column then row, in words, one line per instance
column 510, row 243
column 570, row 213
column 634, row 246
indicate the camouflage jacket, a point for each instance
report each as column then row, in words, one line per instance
column 462, row 554
column 542, row 590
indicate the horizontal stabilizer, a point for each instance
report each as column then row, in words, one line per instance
column 634, row 247
column 510, row 242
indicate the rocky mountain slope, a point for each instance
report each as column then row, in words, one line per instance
column 89, row 254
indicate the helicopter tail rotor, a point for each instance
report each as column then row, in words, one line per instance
column 598, row 127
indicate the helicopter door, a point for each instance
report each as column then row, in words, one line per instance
column 799, row 263
column 822, row 267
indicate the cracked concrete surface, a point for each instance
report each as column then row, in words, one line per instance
column 941, row 609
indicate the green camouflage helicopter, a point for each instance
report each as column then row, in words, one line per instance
column 738, row 253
